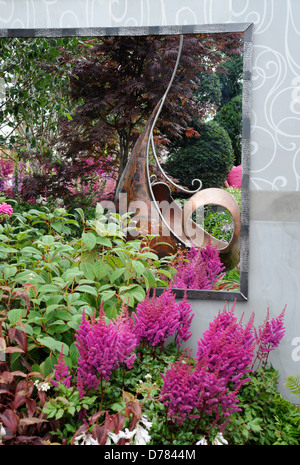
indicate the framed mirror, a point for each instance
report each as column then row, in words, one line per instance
column 92, row 92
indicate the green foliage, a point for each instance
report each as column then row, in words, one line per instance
column 293, row 384
column 230, row 118
column 231, row 80
column 218, row 221
column 266, row 417
column 48, row 276
column 35, row 90
column 208, row 157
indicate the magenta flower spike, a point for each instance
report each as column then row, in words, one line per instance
column 127, row 338
column 98, row 351
column 61, row 372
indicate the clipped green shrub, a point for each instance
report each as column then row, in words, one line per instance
column 208, row 157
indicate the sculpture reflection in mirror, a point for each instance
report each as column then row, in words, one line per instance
column 158, row 214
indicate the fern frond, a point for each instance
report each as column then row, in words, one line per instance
column 293, row 384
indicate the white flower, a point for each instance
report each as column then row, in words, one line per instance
column 41, row 200
column 142, row 436
column 148, row 376
column 146, row 422
column 2, row 432
column 86, row 439
column 122, row 434
column 202, row 442
column 220, row 440
column 42, row 386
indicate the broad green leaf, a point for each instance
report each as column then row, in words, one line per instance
column 127, row 299
column 116, row 274
column 100, row 269
column 81, row 213
column 53, row 344
column 72, row 273
column 104, row 241
column 150, row 277
column 14, row 315
column 58, row 313
column 138, row 267
column 10, row 271
column 138, row 293
column 29, row 277
column 49, row 288
column 106, row 295
column 88, row 270
column 89, row 240
column 47, row 239
column 74, row 354
column 56, row 328
column 88, row 289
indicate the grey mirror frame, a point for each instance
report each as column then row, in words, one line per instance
column 247, row 29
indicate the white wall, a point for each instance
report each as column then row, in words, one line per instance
column 274, row 264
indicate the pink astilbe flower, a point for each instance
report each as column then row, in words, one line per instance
column 158, row 318
column 210, row 387
column 179, row 392
column 200, row 269
column 185, row 316
column 6, row 209
column 61, row 372
column 212, row 263
column 98, row 352
column 103, row 347
column 127, row 339
column 269, row 335
column 190, row 392
column 215, row 398
column 228, row 347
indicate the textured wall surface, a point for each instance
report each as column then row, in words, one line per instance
column 274, row 261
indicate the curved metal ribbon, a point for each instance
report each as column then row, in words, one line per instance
column 154, row 122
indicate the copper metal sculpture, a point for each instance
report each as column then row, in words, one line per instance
column 159, row 214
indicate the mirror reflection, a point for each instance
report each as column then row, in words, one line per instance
column 72, row 110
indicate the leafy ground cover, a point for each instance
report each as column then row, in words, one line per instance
column 89, row 356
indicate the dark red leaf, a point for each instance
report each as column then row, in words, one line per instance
column 100, row 433
column 31, row 406
column 10, row 420
column 21, row 339
column 119, row 422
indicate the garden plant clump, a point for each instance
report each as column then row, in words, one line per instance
column 90, row 354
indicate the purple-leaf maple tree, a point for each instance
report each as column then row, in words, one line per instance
column 117, row 82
